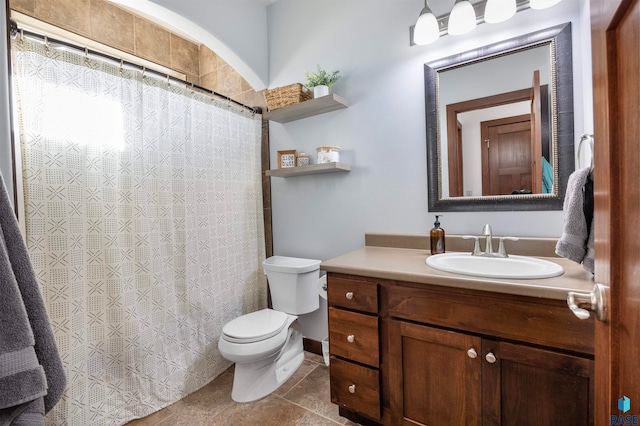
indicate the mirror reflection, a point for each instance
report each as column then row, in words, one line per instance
column 500, row 124
column 497, row 137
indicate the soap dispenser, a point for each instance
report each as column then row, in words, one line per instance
column 437, row 237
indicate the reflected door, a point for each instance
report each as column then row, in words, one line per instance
column 506, row 155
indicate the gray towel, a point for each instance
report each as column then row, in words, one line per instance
column 30, row 365
column 573, row 242
column 588, row 263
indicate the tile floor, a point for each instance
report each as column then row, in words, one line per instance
column 303, row 400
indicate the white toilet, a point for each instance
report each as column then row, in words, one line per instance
column 266, row 345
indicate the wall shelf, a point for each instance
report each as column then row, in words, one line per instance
column 308, row 108
column 312, row 169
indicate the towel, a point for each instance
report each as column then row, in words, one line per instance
column 547, row 177
column 573, row 242
column 587, row 207
column 32, row 377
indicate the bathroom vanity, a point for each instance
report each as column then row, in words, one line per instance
column 411, row 345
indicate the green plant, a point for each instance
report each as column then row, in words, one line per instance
column 321, row 77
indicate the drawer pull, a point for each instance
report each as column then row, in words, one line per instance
column 352, row 389
column 351, row 338
column 472, row 353
column 491, row 358
column 349, row 295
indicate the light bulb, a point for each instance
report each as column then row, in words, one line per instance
column 462, row 18
column 499, row 10
column 542, row 4
column 426, row 30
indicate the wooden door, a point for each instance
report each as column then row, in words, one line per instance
column 523, row 385
column 536, row 135
column 615, row 26
column 436, row 380
column 506, row 155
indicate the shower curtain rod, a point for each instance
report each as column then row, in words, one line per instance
column 19, row 32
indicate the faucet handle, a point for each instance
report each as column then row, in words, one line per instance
column 502, row 250
column 486, row 230
column 476, row 244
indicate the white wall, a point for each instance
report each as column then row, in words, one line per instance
column 382, row 133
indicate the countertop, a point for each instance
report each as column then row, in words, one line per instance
column 408, row 264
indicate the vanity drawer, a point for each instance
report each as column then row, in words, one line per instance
column 518, row 318
column 355, row 387
column 354, row 336
column 352, row 294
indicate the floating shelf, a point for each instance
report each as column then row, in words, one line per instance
column 312, row 169
column 306, row 109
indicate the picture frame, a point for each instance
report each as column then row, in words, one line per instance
column 287, row 158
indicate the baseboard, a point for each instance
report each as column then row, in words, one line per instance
column 313, row 346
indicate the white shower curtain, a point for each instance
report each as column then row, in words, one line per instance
column 144, row 224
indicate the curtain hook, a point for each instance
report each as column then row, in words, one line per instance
column 46, row 43
column 168, row 82
column 21, row 34
column 86, row 56
column 121, row 66
column 143, row 71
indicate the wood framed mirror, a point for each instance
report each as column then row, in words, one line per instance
column 500, row 125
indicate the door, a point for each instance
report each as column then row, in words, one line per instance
column 615, row 27
column 536, row 134
column 523, row 385
column 506, row 155
column 435, row 379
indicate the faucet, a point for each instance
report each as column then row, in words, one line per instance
column 488, row 245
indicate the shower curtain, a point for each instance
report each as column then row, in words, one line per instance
column 144, row 224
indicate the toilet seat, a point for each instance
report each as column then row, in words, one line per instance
column 255, row 326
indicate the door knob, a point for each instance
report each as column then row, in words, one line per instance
column 352, row 388
column 349, row 295
column 351, row 338
column 595, row 301
column 471, row 353
column 490, row 357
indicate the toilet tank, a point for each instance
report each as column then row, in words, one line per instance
column 293, row 283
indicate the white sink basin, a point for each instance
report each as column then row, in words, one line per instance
column 521, row 267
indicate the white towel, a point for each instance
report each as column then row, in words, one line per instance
column 573, row 243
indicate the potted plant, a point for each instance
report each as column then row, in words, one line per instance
column 321, row 81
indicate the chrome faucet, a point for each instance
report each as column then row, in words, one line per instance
column 488, row 245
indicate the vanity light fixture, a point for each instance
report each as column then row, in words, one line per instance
column 462, row 18
column 499, row 10
column 426, row 29
column 465, row 15
column 542, row 4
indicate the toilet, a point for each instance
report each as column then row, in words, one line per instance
column 266, row 345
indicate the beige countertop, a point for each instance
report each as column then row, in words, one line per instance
column 408, row 264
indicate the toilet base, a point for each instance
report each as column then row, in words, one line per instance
column 257, row 379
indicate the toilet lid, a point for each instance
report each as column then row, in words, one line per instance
column 256, row 326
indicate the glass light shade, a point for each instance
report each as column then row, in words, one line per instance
column 462, row 18
column 499, row 10
column 542, row 4
column 426, row 30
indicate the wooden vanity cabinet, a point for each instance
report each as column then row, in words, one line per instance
column 450, row 356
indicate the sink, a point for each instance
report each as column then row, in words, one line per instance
column 521, row 267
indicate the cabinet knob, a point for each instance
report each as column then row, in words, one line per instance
column 349, row 295
column 472, row 353
column 351, row 338
column 491, row 358
column 352, row 389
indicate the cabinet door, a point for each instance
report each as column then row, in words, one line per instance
column 530, row 386
column 434, row 376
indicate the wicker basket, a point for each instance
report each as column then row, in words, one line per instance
column 286, row 95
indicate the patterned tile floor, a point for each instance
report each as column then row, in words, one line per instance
column 302, row 401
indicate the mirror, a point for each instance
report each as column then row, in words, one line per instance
column 500, row 125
